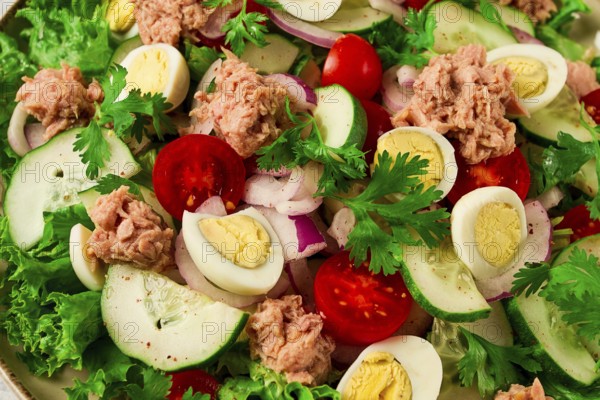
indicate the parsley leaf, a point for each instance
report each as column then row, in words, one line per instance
column 128, row 116
column 94, row 149
column 494, row 366
column 340, row 165
column 530, row 279
column 107, row 184
column 402, row 217
column 245, row 26
column 421, row 25
column 574, row 287
column 567, row 13
column 594, row 204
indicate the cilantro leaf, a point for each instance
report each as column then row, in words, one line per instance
column 564, row 161
column 111, row 182
column 421, row 25
column 569, row 48
column 574, row 287
column 594, row 204
column 190, row 395
column 94, row 149
column 369, row 238
column 494, row 366
column 128, row 116
column 530, row 279
column 245, row 27
column 199, row 59
column 340, row 165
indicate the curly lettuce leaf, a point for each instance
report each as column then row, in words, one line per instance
column 13, row 65
column 252, row 380
column 60, row 35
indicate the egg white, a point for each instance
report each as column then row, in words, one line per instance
column 450, row 169
column 122, row 36
column 554, row 62
column 222, row 272
column 178, row 74
column 463, row 218
column 418, row 358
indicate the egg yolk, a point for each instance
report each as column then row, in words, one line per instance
column 120, row 15
column 379, row 376
column 149, row 71
column 239, row 238
column 416, row 144
column 531, row 75
column 498, row 233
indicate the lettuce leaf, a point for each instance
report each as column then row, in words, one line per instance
column 570, row 49
column 82, row 8
column 199, row 59
column 262, row 382
column 13, row 65
column 60, row 35
column 48, row 312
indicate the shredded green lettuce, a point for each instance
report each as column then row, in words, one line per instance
column 252, row 380
column 60, row 35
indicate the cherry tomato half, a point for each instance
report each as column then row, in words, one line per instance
column 359, row 307
column 193, row 168
column 510, row 171
column 353, row 63
column 198, row 380
column 378, row 123
column 416, row 4
column 579, row 220
column 592, row 104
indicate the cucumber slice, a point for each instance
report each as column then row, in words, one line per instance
column 516, row 18
column 164, row 324
column 557, row 347
column 458, row 26
column 91, row 276
column 591, row 245
column 354, row 20
column 88, row 198
column 276, row 57
column 586, row 179
column 340, row 117
column 125, row 48
column 495, row 328
column 562, row 114
column 50, row 177
column 442, row 284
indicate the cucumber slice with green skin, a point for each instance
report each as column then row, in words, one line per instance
column 166, row 325
column 125, row 48
column 277, row 56
column 586, row 179
column 495, row 328
column 458, row 26
column 590, row 244
column 50, row 177
column 562, row 114
column 354, row 20
column 88, row 198
column 442, row 284
column 340, row 117
column 511, row 17
column 557, row 347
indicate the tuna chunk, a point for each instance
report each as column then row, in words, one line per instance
column 128, row 230
column 463, row 97
column 165, row 21
column 289, row 341
column 247, row 109
column 519, row 392
column 581, row 78
column 537, row 10
column 60, row 98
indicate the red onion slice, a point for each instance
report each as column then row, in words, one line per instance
column 305, row 97
column 304, row 30
column 536, row 248
column 390, row 7
column 265, row 190
column 341, row 226
column 214, row 206
column 213, row 29
column 524, row 37
column 551, row 198
column 395, row 97
column 34, row 133
column 196, row 280
column 308, row 234
column 289, row 236
column 16, row 131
